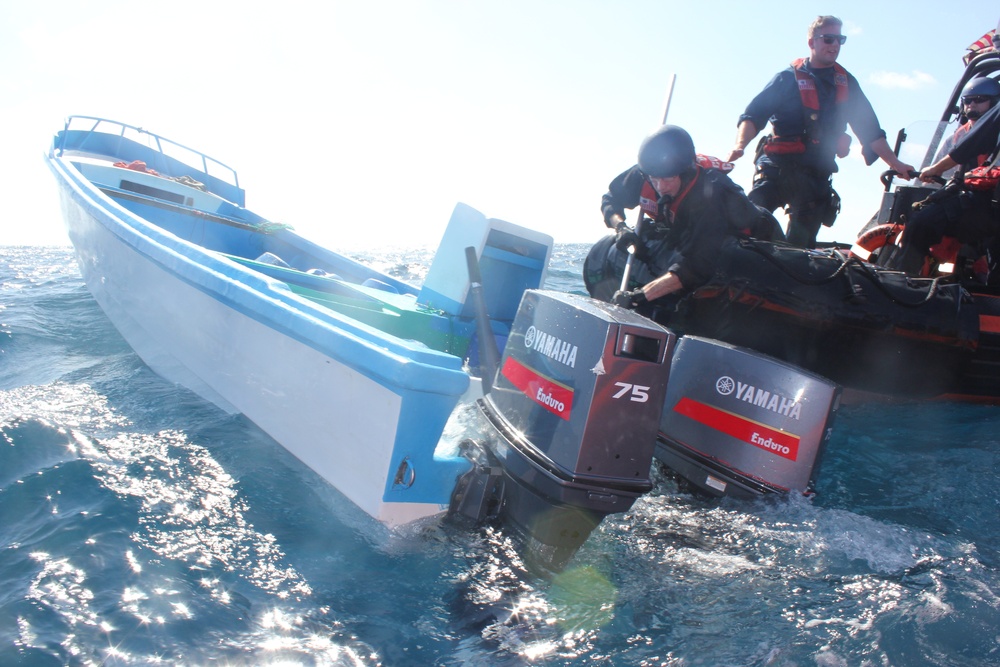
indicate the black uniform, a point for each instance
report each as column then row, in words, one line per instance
column 982, row 139
column 971, row 216
column 709, row 208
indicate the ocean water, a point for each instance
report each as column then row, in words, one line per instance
column 140, row 525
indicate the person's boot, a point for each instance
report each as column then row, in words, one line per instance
column 908, row 260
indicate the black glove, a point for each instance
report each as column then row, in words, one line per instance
column 631, row 299
column 625, row 237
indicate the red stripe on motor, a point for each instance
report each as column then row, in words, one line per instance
column 753, row 433
column 551, row 395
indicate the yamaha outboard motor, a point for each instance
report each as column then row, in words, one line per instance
column 739, row 423
column 570, row 424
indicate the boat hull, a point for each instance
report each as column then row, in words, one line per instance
column 309, row 379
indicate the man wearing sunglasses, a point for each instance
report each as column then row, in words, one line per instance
column 969, row 209
column 809, row 106
column 978, row 96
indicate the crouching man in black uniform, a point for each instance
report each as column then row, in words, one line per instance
column 693, row 207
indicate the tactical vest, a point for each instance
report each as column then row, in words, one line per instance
column 649, row 198
column 960, row 133
column 813, row 132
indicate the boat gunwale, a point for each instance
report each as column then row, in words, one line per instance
column 355, row 344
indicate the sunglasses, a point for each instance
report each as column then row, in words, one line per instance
column 832, row 39
column 975, row 99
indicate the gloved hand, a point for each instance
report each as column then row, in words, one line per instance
column 625, row 237
column 625, row 299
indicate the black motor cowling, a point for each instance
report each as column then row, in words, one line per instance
column 570, row 423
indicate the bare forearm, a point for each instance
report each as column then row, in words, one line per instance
column 882, row 149
column 935, row 170
column 744, row 135
column 666, row 284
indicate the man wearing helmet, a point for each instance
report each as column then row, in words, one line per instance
column 692, row 205
column 978, row 96
column 809, row 106
column 970, row 213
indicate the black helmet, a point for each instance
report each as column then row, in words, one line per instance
column 667, row 152
column 984, row 86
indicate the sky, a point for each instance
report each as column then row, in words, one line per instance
column 363, row 123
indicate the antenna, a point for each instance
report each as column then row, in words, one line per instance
column 627, row 273
column 670, row 95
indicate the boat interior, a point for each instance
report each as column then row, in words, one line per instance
column 181, row 196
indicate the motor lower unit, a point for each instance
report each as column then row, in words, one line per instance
column 739, row 423
column 570, row 423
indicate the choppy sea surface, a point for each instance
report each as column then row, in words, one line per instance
column 140, row 525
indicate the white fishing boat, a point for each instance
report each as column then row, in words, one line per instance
column 353, row 371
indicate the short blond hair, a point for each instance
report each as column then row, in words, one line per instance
column 822, row 21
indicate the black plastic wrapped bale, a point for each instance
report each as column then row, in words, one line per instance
column 739, row 423
column 573, row 415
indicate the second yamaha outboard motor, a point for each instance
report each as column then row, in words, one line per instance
column 739, row 423
column 570, row 423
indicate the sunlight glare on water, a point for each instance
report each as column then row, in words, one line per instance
column 141, row 525
column 188, row 517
